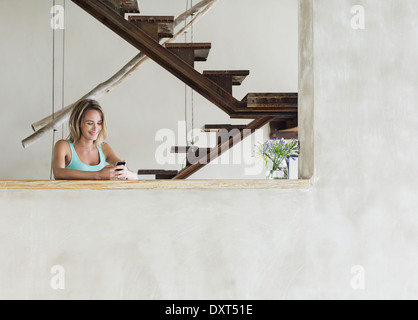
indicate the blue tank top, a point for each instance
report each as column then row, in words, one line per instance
column 76, row 163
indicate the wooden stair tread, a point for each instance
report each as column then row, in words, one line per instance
column 193, row 154
column 280, row 116
column 282, row 105
column 203, row 45
column 237, row 76
column 295, row 129
column 274, row 95
column 272, row 100
column 224, row 131
column 152, row 19
column 219, row 127
column 123, row 6
column 191, row 52
column 226, row 79
column 227, row 72
column 129, row 6
column 159, row 172
column 156, row 27
column 189, row 149
column 292, row 133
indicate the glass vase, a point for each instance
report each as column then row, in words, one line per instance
column 281, row 173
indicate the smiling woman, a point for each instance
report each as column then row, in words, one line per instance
column 84, row 155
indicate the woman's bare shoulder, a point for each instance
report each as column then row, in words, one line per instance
column 106, row 147
column 62, row 145
column 109, row 153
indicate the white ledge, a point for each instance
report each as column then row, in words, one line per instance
column 155, row 184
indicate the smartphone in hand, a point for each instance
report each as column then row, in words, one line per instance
column 120, row 163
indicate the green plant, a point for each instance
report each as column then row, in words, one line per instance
column 276, row 151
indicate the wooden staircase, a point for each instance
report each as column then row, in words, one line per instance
column 145, row 32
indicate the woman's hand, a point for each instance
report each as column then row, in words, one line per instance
column 109, row 173
column 126, row 174
column 131, row 175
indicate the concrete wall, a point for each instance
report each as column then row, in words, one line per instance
column 360, row 211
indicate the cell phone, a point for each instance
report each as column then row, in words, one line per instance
column 120, row 163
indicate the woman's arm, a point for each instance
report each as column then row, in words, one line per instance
column 111, row 156
column 61, row 151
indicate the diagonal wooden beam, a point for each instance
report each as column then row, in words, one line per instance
column 222, row 148
column 193, row 10
column 159, row 54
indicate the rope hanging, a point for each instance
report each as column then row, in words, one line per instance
column 192, row 41
column 53, row 93
column 63, row 73
column 53, row 84
column 192, row 91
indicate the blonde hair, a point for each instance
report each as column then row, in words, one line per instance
column 76, row 118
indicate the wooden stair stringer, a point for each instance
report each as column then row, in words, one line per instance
column 222, row 148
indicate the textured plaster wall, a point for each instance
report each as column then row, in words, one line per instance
column 364, row 201
column 361, row 209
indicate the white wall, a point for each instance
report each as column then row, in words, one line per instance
column 243, row 37
column 361, row 209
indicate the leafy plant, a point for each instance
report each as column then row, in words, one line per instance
column 276, row 151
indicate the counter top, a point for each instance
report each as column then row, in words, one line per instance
column 155, row 184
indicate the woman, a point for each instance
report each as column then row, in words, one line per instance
column 84, row 155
